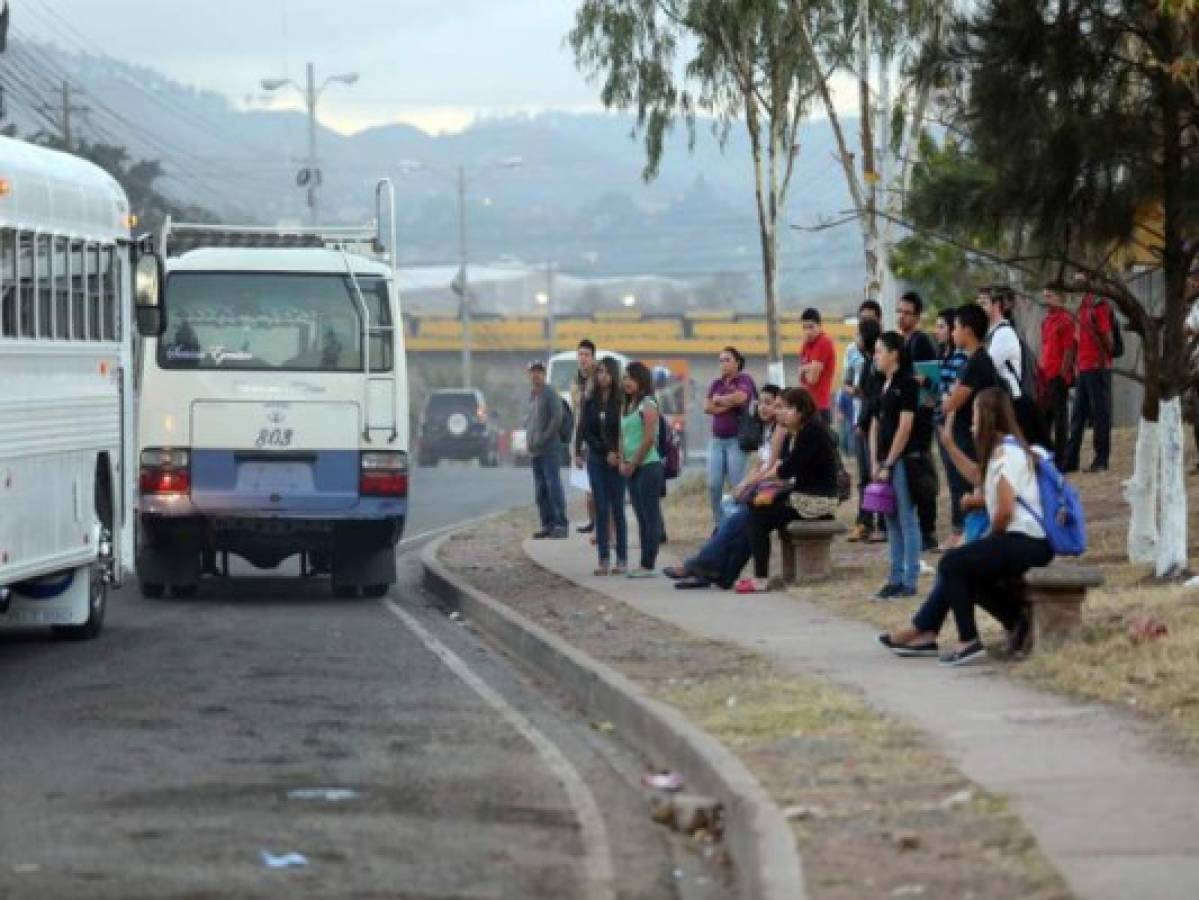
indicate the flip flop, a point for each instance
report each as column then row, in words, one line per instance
column 675, row 572
column 747, row 586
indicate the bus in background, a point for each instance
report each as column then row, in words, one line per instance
column 66, row 408
column 274, row 406
column 673, row 386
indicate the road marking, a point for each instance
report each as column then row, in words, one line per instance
column 597, row 855
column 434, row 532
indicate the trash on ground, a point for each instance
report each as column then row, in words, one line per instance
column 663, row 781
column 455, row 616
column 283, row 860
column 909, row 890
column 906, row 840
column 329, row 795
column 800, row 813
column 731, row 702
column 1147, row 628
column 26, row 868
column 693, row 813
column 604, row 727
column 961, row 798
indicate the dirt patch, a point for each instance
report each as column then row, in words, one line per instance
column 876, row 811
column 1121, row 656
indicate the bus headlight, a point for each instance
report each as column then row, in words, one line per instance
column 383, row 474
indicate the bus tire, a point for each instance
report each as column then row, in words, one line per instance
column 375, row 591
column 97, row 606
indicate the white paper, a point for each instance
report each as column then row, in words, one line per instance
column 579, row 480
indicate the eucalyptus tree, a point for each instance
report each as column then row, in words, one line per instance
column 738, row 62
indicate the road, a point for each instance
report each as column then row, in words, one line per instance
column 163, row 759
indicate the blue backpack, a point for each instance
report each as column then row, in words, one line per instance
column 1064, row 522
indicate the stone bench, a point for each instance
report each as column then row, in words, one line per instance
column 806, row 549
column 1055, row 594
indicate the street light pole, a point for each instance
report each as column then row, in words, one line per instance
column 551, row 325
column 463, row 281
column 313, row 170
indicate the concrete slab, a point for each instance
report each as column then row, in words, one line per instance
column 1119, row 817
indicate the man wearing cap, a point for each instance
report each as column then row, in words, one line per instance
column 543, row 422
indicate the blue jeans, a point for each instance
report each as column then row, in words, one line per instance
column 608, row 488
column 726, row 459
column 725, row 553
column 645, row 492
column 547, row 481
column 903, row 533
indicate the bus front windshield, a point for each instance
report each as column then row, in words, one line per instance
column 271, row 321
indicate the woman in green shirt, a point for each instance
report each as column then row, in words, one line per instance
column 640, row 463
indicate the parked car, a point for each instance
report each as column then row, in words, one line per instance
column 457, row 424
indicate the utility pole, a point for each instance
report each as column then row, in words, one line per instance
column 551, row 325
column 63, row 111
column 314, row 172
column 463, row 281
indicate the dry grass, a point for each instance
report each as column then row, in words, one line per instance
column 1157, row 677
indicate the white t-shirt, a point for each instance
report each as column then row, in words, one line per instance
column 1012, row 463
column 1004, row 347
column 767, row 439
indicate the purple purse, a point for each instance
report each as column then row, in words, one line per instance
column 879, row 497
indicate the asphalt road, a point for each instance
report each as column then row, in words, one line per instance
column 161, row 759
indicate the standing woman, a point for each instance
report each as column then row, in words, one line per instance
column 952, row 360
column 599, row 431
column 728, row 398
column 892, row 434
column 640, row 462
column 866, row 392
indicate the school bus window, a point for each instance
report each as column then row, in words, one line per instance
column 62, row 290
column 8, row 286
column 93, row 293
column 45, row 295
column 78, row 296
column 25, row 296
column 108, row 288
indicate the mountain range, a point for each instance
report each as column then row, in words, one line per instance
column 577, row 199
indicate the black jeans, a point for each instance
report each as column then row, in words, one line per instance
column 959, row 487
column 1092, row 405
column 763, row 522
column 981, row 573
column 1056, row 409
column 645, row 493
column 870, row 521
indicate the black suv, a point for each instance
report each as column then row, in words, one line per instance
column 457, row 424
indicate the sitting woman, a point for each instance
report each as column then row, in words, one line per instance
column 982, row 571
column 723, row 556
column 804, row 486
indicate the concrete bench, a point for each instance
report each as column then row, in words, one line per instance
column 1055, row 594
column 806, row 549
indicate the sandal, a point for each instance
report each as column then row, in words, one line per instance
column 749, row 586
column 602, row 571
column 620, row 569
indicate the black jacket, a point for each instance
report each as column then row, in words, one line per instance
column 599, row 439
column 811, row 461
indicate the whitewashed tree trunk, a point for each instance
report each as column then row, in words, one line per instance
column 1140, row 492
column 1171, row 559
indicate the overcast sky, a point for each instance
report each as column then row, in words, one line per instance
column 434, row 63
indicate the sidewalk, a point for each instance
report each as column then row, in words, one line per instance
column 1117, row 817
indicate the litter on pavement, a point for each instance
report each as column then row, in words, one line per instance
column 663, row 781
column 329, row 795
column 283, row 860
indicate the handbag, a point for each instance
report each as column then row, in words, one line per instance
column 922, row 476
column 879, row 497
column 750, row 429
column 768, row 490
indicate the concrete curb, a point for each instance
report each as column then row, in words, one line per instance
column 762, row 846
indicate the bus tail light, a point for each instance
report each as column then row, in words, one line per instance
column 165, row 472
column 383, row 474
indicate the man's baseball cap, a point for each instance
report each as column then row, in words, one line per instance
column 536, row 364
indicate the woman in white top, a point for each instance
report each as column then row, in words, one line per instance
column 984, row 572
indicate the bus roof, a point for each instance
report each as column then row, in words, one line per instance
column 48, row 190
column 288, row 259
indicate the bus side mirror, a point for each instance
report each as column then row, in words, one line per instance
column 147, row 295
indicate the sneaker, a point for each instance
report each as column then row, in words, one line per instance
column 559, row 534
column 972, row 653
column 541, row 535
column 586, row 529
column 908, row 650
column 641, row 573
column 859, row 532
column 904, row 592
column 877, row 537
column 1019, row 638
column 926, row 569
column 928, row 544
column 887, row 592
column 1097, row 467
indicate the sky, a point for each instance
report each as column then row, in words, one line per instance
column 435, row 64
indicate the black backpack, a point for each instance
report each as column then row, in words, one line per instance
column 1027, row 376
column 566, row 430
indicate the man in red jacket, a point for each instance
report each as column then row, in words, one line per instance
column 817, row 364
column 1093, row 393
column 1055, row 369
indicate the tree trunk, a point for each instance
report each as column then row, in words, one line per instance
column 768, row 236
column 1171, row 557
column 1140, row 491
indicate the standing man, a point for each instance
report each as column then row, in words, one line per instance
column 817, row 364
column 579, row 390
column 1055, row 369
column 921, row 348
column 978, row 374
column 1093, row 392
column 543, row 422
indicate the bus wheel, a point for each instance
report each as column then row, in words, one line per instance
column 97, row 605
column 375, row 591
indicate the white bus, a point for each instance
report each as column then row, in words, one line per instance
column 66, row 420
column 274, row 407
